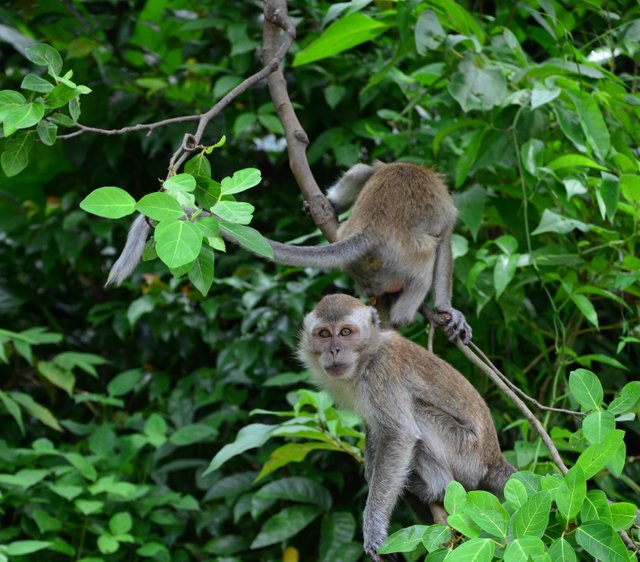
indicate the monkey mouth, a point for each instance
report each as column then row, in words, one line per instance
column 337, row 369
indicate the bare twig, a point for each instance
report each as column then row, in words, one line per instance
column 276, row 19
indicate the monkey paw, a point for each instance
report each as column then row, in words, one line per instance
column 457, row 326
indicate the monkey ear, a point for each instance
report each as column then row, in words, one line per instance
column 375, row 319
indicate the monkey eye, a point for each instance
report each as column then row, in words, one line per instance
column 324, row 333
column 345, row 332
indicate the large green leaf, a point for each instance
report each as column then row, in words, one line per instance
column 474, row 550
column 241, row 181
column 234, row 211
column 160, row 207
column 561, row 551
column 249, row 437
column 586, row 307
column 571, row 492
column 592, row 122
column 597, row 425
column 627, row 398
column 249, row 238
column 404, row 540
column 45, row 55
column 487, row 512
column 109, row 202
column 455, row 497
column 595, row 457
column 602, row 542
column 553, row 222
column 524, row 549
column 532, row 518
column 15, row 157
column 287, row 523
column 341, row 35
column 476, row 87
column 177, row 242
column 202, row 272
column 297, row 489
column 586, row 389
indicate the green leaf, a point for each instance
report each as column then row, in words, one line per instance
column 182, row 183
column 160, row 207
column 241, row 181
column 20, row 548
column 553, row 222
column 287, row 523
column 22, row 116
column 463, row 523
column 36, row 410
column 561, row 551
column 630, row 187
column 474, row 87
column 627, row 398
column 249, row 437
column 541, row 95
column 109, row 202
column 487, row 512
column 292, row 452
column 193, row 433
column 623, row 515
column 404, row 540
column 474, row 550
column 198, row 166
column 248, row 238
column 12, row 409
column 120, row 523
column 340, row 36
column 584, row 305
column 234, row 211
column 177, row 242
column 337, row 529
column 586, row 389
column 207, row 192
column 202, row 272
column 532, row 518
column 601, row 541
column 504, row 271
column 471, row 204
column 47, row 132
column 15, row 157
column 62, row 378
column 468, row 157
column 574, row 161
column 428, row 32
column 107, row 544
column 297, row 489
column 571, row 492
column 44, row 55
column 592, row 122
column 34, row 83
column 155, row 428
column 524, row 549
column 455, row 497
column 515, row 493
column 597, row 425
column 435, row 536
column 25, row 478
column 595, row 457
column 82, row 465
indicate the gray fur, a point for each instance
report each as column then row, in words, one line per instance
column 131, row 254
column 425, row 423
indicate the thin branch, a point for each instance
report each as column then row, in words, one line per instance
column 322, row 213
column 133, row 128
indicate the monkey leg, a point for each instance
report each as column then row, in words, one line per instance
column 438, row 513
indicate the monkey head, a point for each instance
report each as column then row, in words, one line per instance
column 337, row 334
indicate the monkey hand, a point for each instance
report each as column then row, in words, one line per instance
column 457, row 326
column 372, row 542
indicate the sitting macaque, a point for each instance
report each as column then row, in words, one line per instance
column 426, row 425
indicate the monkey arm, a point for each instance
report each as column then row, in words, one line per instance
column 344, row 193
column 387, row 475
column 442, row 279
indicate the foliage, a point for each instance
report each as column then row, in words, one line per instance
column 529, row 110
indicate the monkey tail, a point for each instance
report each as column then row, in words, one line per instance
column 131, row 253
column 336, row 255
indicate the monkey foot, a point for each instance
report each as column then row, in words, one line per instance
column 452, row 321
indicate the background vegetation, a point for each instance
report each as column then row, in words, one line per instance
column 114, row 401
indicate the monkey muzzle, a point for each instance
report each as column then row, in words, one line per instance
column 336, row 369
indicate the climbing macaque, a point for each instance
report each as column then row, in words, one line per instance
column 396, row 244
column 426, row 425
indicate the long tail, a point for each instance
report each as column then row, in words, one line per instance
column 336, row 255
column 131, row 253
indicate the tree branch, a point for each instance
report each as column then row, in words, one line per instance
column 322, row 213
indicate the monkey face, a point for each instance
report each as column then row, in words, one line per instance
column 335, row 336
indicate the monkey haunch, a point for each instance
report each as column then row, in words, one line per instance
column 397, row 242
column 425, row 423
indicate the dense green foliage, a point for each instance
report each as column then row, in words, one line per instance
column 115, row 401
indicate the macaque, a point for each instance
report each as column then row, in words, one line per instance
column 396, row 244
column 425, row 424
